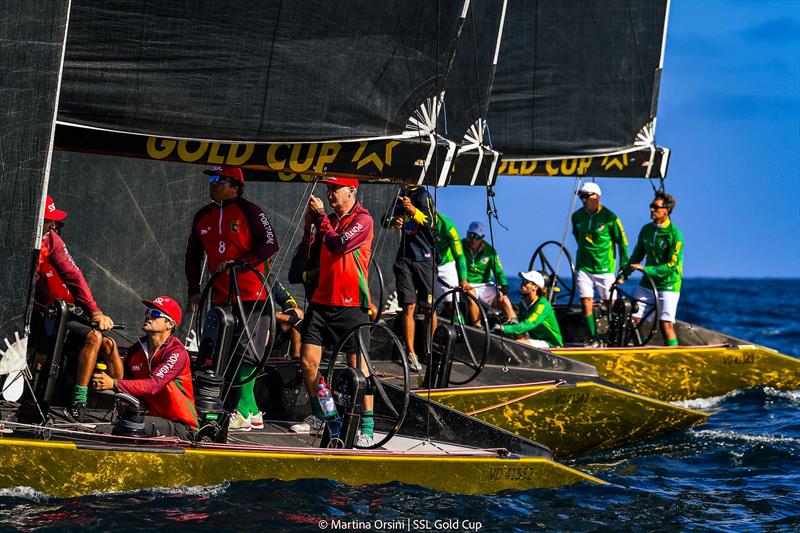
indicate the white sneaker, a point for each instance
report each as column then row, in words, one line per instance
column 240, row 423
column 365, row 441
column 310, row 424
column 257, row 420
column 413, row 362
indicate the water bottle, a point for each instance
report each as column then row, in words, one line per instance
column 329, row 409
column 100, row 368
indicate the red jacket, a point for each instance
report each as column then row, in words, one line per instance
column 344, row 257
column 162, row 382
column 58, row 277
column 239, row 231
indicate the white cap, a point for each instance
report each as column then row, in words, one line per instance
column 534, row 277
column 590, row 188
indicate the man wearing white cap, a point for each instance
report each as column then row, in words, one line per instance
column 537, row 321
column 597, row 230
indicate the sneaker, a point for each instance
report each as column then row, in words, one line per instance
column 413, row 362
column 257, row 420
column 76, row 413
column 239, row 423
column 311, row 423
column 365, row 441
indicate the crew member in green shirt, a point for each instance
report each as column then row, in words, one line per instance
column 485, row 274
column 597, row 231
column 452, row 264
column 662, row 244
column 537, row 321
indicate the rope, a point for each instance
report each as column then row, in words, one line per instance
column 567, row 224
column 518, row 399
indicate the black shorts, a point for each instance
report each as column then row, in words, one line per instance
column 155, row 426
column 414, row 281
column 325, row 325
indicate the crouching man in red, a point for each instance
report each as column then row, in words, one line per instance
column 157, row 372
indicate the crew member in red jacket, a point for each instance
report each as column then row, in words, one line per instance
column 232, row 230
column 157, row 372
column 59, row 278
column 341, row 299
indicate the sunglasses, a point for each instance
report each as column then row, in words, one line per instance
column 155, row 313
column 656, row 206
column 474, row 236
column 585, row 196
column 222, row 180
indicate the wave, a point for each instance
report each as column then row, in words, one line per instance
column 25, row 493
column 733, row 436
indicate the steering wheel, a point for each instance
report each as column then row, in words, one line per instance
column 379, row 288
column 242, row 315
column 566, row 293
column 394, row 412
column 623, row 330
column 464, row 352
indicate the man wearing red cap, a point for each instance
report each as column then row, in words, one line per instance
column 341, row 299
column 58, row 278
column 233, row 230
column 157, row 371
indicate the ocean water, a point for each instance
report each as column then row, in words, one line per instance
column 738, row 472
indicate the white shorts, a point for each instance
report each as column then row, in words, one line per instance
column 536, row 343
column 587, row 283
column 447, row 279
column 667, row 300
column 486, row 292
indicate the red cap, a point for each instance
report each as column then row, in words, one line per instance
column 342, row 182
column 234, row 173
column 166, row 305
column 51, row 213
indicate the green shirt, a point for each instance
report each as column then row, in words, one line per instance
column 481, row 267
column 537, row 320
column 448, row 243
column 663, row 248
column 596, row 236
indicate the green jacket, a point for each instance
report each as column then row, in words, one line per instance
column 663, row 248
column 480, row 267
column 596, row 236
column 448, row 244
column 537, row 320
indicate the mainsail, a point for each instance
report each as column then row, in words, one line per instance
column 297, row 87
column 576, row 88
column 31, row 47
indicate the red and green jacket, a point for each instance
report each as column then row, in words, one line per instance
column 161, row 381
column 344, row 252
column 237, row 230
column 597, row 235
column 538, row 320
column 58, row 277
column 663, row 248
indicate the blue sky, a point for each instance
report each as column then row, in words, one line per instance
column 730, row 111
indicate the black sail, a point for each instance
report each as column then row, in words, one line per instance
column 31, row 45
column 577, row 86
column 293, row 87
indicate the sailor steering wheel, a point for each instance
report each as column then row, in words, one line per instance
column 546, row 259
column 472, row 345
column 269, row 302
column 622, row 328
column 389, row 411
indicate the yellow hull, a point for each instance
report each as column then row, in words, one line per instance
column 685, row 373
column 64, row 470
column 571, row 420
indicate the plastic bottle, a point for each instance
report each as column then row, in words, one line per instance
column 100, row 368
column 329, row 409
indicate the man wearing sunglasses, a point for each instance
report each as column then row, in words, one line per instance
column 661, row 243
column 59, row 278
column 485, row 274
column 157, row 372
column 414, row 263
column 598, row 231
column 537, row 324
column 232, row 230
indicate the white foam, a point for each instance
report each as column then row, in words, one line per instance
column 27, row 493
column 793, row 395
column 734, row 436
column 707, row 403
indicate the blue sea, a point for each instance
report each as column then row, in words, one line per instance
column 738, row 472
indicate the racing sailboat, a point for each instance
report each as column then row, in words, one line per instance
column 280, row 90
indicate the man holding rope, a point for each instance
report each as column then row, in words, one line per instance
column 231, row 230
